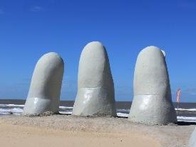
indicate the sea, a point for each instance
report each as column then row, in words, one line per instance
column 186, row 112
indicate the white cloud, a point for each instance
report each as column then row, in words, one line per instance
column 36, row 9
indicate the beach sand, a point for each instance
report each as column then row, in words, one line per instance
column 70, row 131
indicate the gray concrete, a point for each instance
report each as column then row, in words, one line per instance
column 192, row 141
column 95, row 95
column 44, row 91
column 152, row 102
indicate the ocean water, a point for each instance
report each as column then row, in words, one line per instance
column 186, row 112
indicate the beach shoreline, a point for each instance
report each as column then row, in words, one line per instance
column 89, row 131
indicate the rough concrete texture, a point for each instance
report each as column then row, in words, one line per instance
column 95, row 95
column 152, row 102
column 44, row 92
column 192, row 141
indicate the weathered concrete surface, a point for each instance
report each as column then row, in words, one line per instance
column 44, row 91
column 95, row 95
column 192, row 141
column 152, row 102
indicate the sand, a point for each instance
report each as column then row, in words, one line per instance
column 70, row 131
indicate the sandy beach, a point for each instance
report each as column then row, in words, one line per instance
column 63, row 130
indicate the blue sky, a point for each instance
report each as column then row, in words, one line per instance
column 31, row 28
